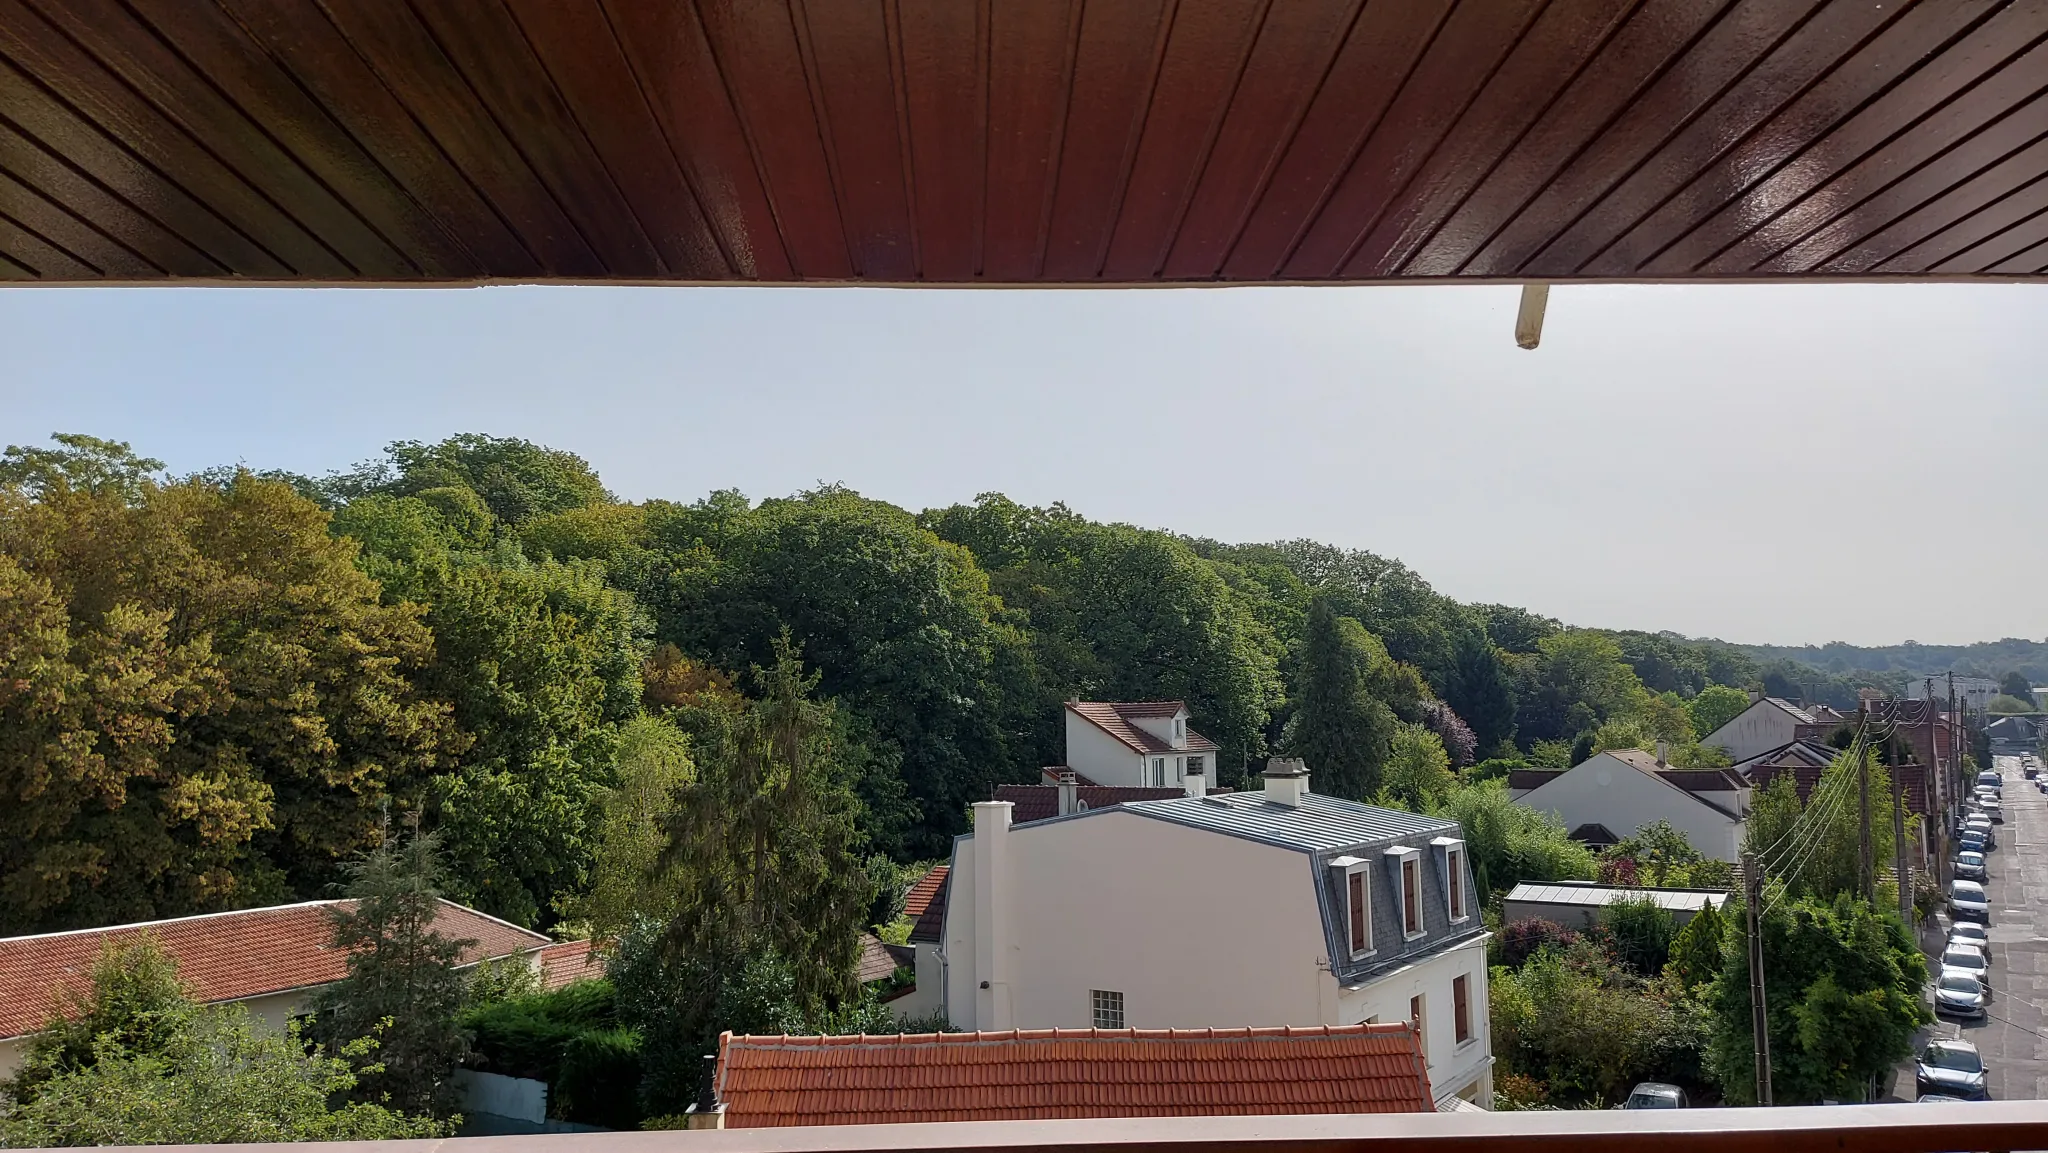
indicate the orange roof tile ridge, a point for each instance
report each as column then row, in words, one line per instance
column 131, row 925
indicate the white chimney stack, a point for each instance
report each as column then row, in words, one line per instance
column 1663, row 752
column 1070, row 794
column 1196, row 784
column 1286, row 781
column 991, row 849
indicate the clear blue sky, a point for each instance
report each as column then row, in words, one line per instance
column 1781, row 464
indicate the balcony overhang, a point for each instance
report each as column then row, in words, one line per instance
column 1010, row 143
column 1837, row 1129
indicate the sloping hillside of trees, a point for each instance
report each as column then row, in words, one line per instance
column 216, row 689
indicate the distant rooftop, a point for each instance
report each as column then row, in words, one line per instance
column 1591, row 896
column 1319, row 824
column 1119, row 719
column 1047, row 1074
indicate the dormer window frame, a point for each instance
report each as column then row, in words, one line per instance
column 1407, row 863
column 1354, row 906
column 1457, row 902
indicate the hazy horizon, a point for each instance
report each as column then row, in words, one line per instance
column 1777, row 465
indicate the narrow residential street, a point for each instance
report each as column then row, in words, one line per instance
column 2013, row 1037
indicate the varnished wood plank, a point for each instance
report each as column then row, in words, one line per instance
column 499, row 67
column 1296, row 44
column 945, row 104
column 1535, row 74
column 1964, row 237
column 9, row 270
column 32, row 251
column 106, row 256
column 1679, row 95
column 134, row 51
column 81, row 146
column 1994, row 250
column 584, row 61
column 1464, row 54
column 313, row 53
column 1838, row 207
column 404, row 55
column 673, row 64
column 2032, row 262
column 1030, row 77
column 1813, row 130
column 1206, row 55
column 1384, row 45
column 1803, row 58
column 755, row 44
column 857, row 86
column 260, row 88
column 1120, row 51
column 1922, row 208
column 1655, row 34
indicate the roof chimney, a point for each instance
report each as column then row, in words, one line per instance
column 1755, row 695
column 1196, row 781
column 1663, row 752
column 1070, row 793
column 1286, row 781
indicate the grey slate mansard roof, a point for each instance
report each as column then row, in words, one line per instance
column 1325, row 829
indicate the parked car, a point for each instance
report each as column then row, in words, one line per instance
column 1958, row 994
column 1970, row 931
column 1970, row 866
column 1968, row 901
column 1974, row 841
column 1938, row 1099
column 1967, row 956
column 1990, row 777
column 1953, row 1068
column 1982, row 826
column 1656, row 1095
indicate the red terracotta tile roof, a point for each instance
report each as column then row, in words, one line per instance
column 919, row 897
column 930, row 924
column 1116, row 717
column 1053, row 1073
column 221, row 956
column 1050, row 775
column 568, row 962
column 1037, row 802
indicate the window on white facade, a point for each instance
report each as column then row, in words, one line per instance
column 1416, row 1010
column 1159, row 770
column 1461, row 1007
column 1107, row 1007
column 1180, row 728
column 1195, row 766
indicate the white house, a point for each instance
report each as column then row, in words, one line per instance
column 1769, row 723
column 1137, row 744
column 1612, row 794
column 1261, row 908
column 270, row 960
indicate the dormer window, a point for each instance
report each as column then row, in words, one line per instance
column 1180, row 728
column 1456, row 900
column 1407, row 865
column 1354, row 885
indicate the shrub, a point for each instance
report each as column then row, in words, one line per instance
column 1639, row 935
column 1520, row 940
column 599, row 1079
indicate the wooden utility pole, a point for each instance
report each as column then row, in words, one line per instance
column 1899, row 863
column 1940, row 803
column 1867, row 859
column 1753, row 895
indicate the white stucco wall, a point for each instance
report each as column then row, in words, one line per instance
column 1107, row 902
column 1100, row 757
column 273, row 1011
column 1609, row 791
column 1758, row 729
column 1454, row 1069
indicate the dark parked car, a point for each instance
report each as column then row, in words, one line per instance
column 1950, row 1067
column 1656, row 1095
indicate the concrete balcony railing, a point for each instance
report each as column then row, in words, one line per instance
column 1989, row 1126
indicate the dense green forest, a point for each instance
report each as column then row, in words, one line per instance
column 215, row 689
column 1913, row 661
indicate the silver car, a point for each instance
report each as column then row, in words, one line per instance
column 1958, row 994
column 1968, row 901
column 1970, row 866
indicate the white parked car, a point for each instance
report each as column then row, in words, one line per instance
column 1968, row 901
